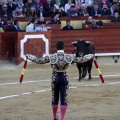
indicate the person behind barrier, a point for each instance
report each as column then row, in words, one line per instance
column 17, row 12
column 41, row 26
column 60, row 81
column 68, row 26
column 4, row 12
column 15, row 27
column 116, row 17
column 31, row 26
column 89, row 20
column 71, row 12
column 94, row 26
column 55, row 19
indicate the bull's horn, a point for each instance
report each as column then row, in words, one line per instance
column 88, row 42
column 74, row 43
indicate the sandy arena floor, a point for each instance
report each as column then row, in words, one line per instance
column 88, row 100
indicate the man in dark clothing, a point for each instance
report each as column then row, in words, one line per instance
column 116, row 17
column 11, row 6
column 5, row 12
column 55, row 19
column 15, row 27
column 42, row 13
column 95, row 11
column 68, row 26
column 48, row 5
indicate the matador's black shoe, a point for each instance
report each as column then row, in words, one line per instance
column 56, row 118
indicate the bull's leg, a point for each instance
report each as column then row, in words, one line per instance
column 89, row 71
column 89, row 77
column 80, row 71
column 80, row 76
column 84, row 72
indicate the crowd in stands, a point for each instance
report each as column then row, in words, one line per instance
column 56, row 9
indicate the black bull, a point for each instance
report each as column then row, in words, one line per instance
column 83, row 48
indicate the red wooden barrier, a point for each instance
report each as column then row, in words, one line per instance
column 105, row 41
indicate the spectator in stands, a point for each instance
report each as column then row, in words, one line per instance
column 31, row 26
column 1, row 4
column 48, row 5
column 17, row 12
column 68, row 5
column 97, row 2
column 55, row 19
column 115, row 18
column 94, row 26
column 32, row 12
column 89, row 4
column 61, row 12
column 11, row 6
column 16, row 27
column 41, row 12
column 9, row 21
column 20, row 4
column 29, row 5
column 4, row 12
column 57, row 3
column 99, row 24
column 83, row 11
column 42, row 20
column 102, row 2
column 114, row 8
column 116, row 2
column 117, row 5
column 78, row 5
column 41, row 27
column 105, row 10
column 37, row 4
column 89, row 20
column 53, row 11
column 68, row 26
column 72, row 12
column 24, row 12
column 95, row 12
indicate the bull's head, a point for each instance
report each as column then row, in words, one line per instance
column 81, row 47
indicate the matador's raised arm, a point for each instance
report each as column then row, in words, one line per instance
column 37, row 60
